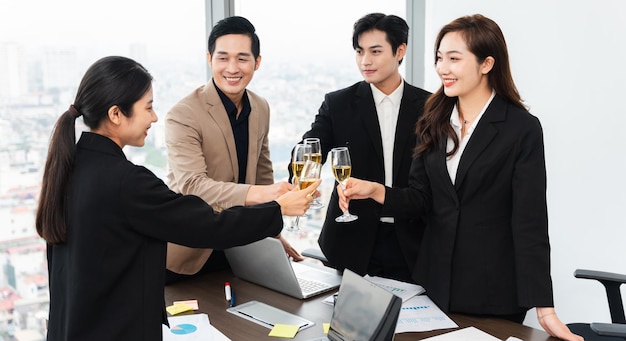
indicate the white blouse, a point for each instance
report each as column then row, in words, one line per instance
column 453, row 161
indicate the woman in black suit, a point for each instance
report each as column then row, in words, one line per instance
column 479, row 177
column 107, row 221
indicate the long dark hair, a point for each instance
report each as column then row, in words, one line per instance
column 484, row 39
column 109, row 81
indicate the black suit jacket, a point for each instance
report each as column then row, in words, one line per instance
column 106, row 281
column 348, row 117
column 486, row 247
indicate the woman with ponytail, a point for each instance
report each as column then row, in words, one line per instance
column 107, row 221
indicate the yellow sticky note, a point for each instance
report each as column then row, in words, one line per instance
column 326, row 327
column 178, row 308
column 192, row 303
column 284, row 330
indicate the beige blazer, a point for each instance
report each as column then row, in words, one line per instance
column 202, row 159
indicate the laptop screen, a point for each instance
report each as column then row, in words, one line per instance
column 363, row 311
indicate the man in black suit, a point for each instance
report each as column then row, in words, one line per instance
column 375, row 119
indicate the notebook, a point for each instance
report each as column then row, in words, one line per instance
column 265, row 263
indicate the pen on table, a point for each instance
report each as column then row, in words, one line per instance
column 227, row 291
column 232, row 298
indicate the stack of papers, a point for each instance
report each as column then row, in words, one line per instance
column 418, row 313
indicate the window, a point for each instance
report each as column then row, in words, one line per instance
column 45, row 48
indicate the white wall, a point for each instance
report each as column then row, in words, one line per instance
column 568, row 59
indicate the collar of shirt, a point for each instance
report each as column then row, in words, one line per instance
column 455, row 121
column 453, row 161
column 231, row 108
column 395, row 96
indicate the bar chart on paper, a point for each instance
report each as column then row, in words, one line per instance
column 420, row 314
column 401, row 289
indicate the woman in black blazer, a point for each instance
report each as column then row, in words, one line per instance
column 107, row 221
column 479, row 177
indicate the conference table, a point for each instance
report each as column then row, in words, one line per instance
column 208, row 290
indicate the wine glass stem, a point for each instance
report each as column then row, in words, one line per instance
column 343, row 188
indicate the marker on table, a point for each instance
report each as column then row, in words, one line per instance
column 232, row 298
column 227, row 291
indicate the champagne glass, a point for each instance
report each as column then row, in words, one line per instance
column 315, row 155
column 300, row 153
column 310, row 173
column 342, row 168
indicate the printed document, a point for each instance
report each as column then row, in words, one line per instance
column 403, row 290
column 421, row 314
column 191, row 327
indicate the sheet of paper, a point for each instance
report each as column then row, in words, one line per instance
column 403, row 290
column 465, row 334
column 191, row 327
column 330, row 300
column 284, row 331
column 420, row 314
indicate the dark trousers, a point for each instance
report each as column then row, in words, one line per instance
column 387, row 259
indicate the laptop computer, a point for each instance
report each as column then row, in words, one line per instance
column 265, row 263
column 363, row 311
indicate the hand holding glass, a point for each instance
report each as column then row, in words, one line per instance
column 342, row 168
column 315, row 154
column 300, row 153
column 310, row 174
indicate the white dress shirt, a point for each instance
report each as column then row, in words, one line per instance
column 388, row 108
column 453, row 161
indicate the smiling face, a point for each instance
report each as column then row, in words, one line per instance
column 133, row 130
column 460, row 72
column 233, row 64
column 376, row 61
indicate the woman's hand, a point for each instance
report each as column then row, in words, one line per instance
column 360, row 189
column 296, row 202
column 551, row 323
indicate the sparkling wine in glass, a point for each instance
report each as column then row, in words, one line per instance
column 310, row 173
column 342, row 168
column 298, row 158
column 315, row 155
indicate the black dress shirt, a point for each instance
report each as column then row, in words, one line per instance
column 240, row 129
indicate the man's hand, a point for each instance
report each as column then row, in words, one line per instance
column 258, row 194
column 291, row 252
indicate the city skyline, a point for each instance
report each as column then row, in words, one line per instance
column 45, row 48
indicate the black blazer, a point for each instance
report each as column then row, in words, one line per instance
column 486, row 248
column 348, row 117
column 106, row 281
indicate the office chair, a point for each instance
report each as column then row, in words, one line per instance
column 604, row 331
column 316, row 254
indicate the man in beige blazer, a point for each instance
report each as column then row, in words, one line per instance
column 217, row 137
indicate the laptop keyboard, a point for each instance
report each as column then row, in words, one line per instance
column 311, row 286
